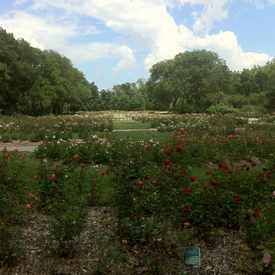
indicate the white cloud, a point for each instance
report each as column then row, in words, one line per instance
column 213, row 11
column 128, row 58
column 226, row 44
column 38, row 32
column 150, row 22
column 261, row 3
column 48, row 33
column 147, row 21
column 92, row 51
column 20, row 2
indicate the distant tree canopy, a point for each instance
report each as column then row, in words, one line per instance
column 190, row 82
column 196, row 81
column 36, row 82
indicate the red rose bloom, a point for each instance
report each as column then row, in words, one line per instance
column 76, row 157
column 29, row 206
column 30, row 194
column 183, row 173
column 179, row 148
column 214, row 183
column 224, row 167
column 168, row 151
column 237, row 199
column 167, row 163
column 231, row 136
column 187, row 190
column 193, row 178
column 140, row 184
column 187, row 209
column 257, row 213
column 147, row 147
column 52, row 177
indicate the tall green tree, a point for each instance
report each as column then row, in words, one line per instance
column 269, row 70
column 36, row 82
column 188, row 82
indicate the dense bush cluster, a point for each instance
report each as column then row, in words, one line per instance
column 224, row 180
column 61, row 192
column 163, row 185
column 17, row 195
column 198, row 178
column 78, row 126
column 64, row 194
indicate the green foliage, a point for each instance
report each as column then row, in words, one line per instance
column 65, row 192
column 94, row 151
column 16, row 199
column 126, row 96
column 78, row 126
column 221, row 108
column 157, row 186
column 217, row 173
column 186, row 83
column 38, row 82
column 66, row 224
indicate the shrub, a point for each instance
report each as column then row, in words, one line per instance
column 221, row 108
column 15, row 185
column 68, row 208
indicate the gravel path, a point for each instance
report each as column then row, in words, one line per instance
column 37, row 259
column 100, row 250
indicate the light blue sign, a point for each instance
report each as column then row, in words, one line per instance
column 192, row 256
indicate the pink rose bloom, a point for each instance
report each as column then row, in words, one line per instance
column 267, row 259
column 28, row 206
column 30, row 194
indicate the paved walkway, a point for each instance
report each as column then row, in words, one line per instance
column 19, row 146
column 136, row 130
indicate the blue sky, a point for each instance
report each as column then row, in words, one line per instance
column 114, row 41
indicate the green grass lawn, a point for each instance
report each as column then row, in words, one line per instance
column 142, row 136
column 130, row 124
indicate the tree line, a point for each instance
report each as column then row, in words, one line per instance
column 197, row 81
column 36, row 82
